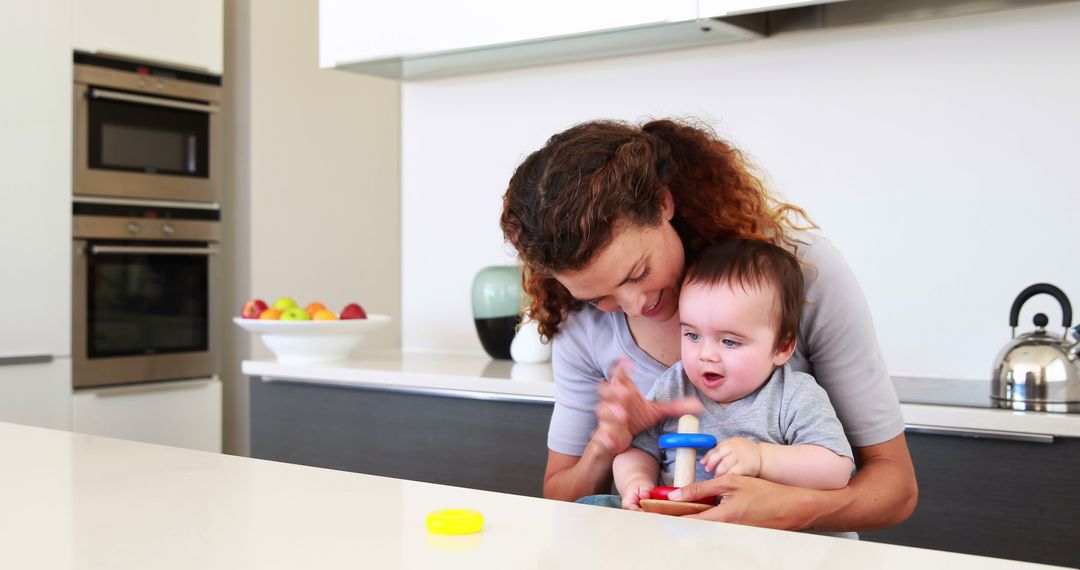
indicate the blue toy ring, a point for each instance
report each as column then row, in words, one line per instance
column 691, row 440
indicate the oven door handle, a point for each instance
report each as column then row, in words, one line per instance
column 160, row 102
column 96, row 249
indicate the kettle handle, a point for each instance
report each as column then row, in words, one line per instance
column 1036, row 289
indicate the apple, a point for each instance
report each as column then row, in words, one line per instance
column 253, row 308
column 324, row 315
column 284, row 303
column 295, row 314
column 353, row 311
column 270, row 315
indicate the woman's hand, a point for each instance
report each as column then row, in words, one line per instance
column 751, row 501
column 623, row 411
column 735, row 455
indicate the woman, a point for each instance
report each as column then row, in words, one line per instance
column 604, row 218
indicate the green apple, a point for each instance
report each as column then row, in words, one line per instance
column 295, row 314
column 284, row 304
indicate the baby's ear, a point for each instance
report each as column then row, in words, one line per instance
column 784, row 351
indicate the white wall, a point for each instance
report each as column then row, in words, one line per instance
column 939, row 156
column 312, row 199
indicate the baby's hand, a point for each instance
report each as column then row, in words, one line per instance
column 635, row 492
column 736, row 455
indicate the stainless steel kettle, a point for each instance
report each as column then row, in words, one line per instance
column 1039, row 370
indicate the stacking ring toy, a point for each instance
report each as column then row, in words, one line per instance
column 691, row 440
column 455, row 521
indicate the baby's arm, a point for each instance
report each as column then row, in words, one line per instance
column 636, row 473
column 816, row 453
column 805, row 465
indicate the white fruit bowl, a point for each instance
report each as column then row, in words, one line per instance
column 305, row 342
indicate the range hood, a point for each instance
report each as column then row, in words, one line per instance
column 686, row 26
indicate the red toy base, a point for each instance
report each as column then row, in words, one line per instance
column 661, row 493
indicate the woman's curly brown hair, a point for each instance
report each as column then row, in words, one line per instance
column 566, row 200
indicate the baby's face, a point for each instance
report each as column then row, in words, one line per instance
column 728, row 335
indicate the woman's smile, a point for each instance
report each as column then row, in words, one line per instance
column 656, row 307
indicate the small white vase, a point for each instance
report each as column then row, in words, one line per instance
column 527, row 346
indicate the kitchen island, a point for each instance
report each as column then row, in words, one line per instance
column 78, row 501
column 926, row 403
column 992, row 481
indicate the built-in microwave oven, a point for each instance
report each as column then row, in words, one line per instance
column 146, row 131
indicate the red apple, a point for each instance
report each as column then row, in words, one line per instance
column 353, row 311
column 253, row 308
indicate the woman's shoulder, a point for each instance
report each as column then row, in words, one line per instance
column 812, row 246
column 585, row 335
column 584, row 324
column 822, row 261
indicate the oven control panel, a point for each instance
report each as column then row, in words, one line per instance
column 145, row 223
column 101, row 227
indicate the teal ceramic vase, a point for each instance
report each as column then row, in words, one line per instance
column 496, row 307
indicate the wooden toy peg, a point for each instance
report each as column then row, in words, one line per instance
column 686, row 458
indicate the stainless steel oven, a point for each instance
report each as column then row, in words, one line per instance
column 145, row 277
column 146, row 131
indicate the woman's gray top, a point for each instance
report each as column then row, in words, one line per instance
column 837, row 345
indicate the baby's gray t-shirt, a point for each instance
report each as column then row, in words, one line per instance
column 789, row 409
column 836, row 344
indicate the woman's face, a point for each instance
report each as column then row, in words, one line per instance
column 638, row 273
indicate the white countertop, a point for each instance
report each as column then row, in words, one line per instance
column 78, row 501
column 465, row 373
column 480, row 375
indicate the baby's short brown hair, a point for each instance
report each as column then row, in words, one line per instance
column 753, row 263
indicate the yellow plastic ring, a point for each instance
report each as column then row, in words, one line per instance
column 455, row 521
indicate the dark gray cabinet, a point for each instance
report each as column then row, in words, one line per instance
column 478, row 441
column 994, row 497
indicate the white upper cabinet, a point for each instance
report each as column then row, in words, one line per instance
column 35, row 180
column 185, row 32
column 353, row 30
column 431, row 37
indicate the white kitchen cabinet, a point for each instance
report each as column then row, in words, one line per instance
column 186, row 32
column 35, row 181
column 351, row 30
column 429, row 38
column 35, row 234
column 36, row 393
column 185, row 413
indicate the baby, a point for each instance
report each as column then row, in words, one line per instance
column 739, row 315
